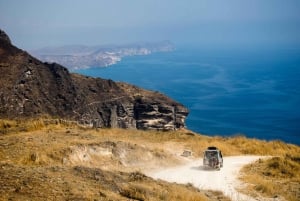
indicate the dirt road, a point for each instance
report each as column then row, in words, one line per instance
column 225, row 180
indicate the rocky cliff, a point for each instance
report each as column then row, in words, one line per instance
column 31, row 88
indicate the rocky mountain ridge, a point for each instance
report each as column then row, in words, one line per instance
column 31, row 88
column 79, row 56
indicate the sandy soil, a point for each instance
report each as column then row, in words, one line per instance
column 225, row 180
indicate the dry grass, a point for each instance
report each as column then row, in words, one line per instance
column 84, row 183
column 273, row 177
column 51, row 149
column 197, row 143
column 23, row 125
column 139, row 189
column 40, row 133
column 233, row 145
column 7, row 126
column 56, row 161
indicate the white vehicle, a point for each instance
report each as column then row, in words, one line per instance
column 212, row 158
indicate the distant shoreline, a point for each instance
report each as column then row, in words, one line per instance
column 77, row 57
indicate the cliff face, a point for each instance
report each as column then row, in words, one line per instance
column 31, row 88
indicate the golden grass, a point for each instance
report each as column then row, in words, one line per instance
column 83, row 183
column 24, row 125
column 12, row 126
column 7, row 125
column 235, row 145
column 143, row 190
column 276, row 176
column 45, row 143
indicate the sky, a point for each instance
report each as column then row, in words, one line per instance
column 33, row 24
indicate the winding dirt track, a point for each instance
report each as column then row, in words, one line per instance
column 225, row 180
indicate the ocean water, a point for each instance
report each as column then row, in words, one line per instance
column 254, row 93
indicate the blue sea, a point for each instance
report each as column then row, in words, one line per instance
column 228, row 92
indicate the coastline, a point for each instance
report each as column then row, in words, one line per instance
column 226, row 94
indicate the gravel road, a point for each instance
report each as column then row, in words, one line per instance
column 225, row 180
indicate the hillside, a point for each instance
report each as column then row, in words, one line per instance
column 60, row 139
column 31, row 88
column 66, row 162
column 61, row 161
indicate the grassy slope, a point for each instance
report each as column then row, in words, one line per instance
column 274, row 177
column 62, row 161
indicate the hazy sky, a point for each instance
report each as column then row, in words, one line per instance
column 208, row 23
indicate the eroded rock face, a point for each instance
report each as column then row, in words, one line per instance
column 158, row 115
column 31, row 88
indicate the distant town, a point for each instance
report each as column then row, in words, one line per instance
column 76, row 57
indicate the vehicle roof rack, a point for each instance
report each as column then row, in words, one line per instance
column 212, row 148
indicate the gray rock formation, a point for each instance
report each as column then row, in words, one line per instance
column 31, row 88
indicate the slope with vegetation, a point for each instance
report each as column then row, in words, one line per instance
column 277, row 176
column 60, row 160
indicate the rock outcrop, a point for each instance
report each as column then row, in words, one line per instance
column 31, row 88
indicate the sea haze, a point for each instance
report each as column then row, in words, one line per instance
column 255, row 93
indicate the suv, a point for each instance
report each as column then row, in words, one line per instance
column 212, row 158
